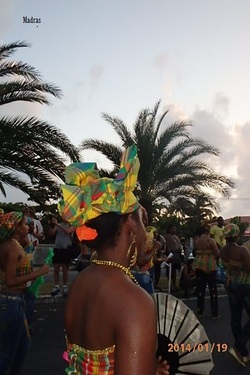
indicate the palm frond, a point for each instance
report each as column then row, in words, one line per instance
column 30, row 91
column 110, row 151
column 7, row 49
column 10, row 68
column 120, row 128
column 2, row 189
column 22, row 130
column 29, row 147
column 11, row 179
column 159, row 123
column 171, row 164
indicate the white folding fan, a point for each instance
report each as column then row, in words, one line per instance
column 182, row 340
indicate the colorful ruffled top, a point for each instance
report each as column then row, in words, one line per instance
column 90, row 362
column 236, row 272
column 23, row 268
column 205, row 260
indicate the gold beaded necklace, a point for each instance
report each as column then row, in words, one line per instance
column 124, row 269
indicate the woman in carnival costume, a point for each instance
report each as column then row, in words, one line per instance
column 205, row 263
column 15, row 275
column 143, row 270
column 110, row 321
column 236, row 260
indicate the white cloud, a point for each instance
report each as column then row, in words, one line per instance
column 216, row 133
column 175, row 113
column 161, row 63
column 242, row 137
column 242, row 191
column 233, row 143
column 213, row 126
column 221, row 105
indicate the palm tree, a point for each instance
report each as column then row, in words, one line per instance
column 194, row 212
column 200, row 208
column 29, row 146
column 170, row 166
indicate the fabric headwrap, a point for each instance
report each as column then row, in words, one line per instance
column 8, row 222
column 231, row 230
column 87, row 196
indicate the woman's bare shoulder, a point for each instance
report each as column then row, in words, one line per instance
column 212, row 241
column 116, row 290
column 133, row 298
column 135, row 312
column 8, row 245
column 9, row 253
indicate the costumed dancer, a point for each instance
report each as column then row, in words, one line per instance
column 29, row 247
column 205, row 264
column 236, row 260
column 106, row 325
column 15, row 274
column 143, row 269
column 174, row 247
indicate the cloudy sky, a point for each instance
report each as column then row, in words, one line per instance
column 122, row 56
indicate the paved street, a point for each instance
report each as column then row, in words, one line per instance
column 48, row 343
column 219, row 332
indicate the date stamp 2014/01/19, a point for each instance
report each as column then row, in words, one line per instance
column 205, row 347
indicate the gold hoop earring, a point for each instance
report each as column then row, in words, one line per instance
column 130, row 247
column 133, row 258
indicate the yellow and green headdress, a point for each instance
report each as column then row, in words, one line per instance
column 231, row 230
column 86, row 195
column 8, row 222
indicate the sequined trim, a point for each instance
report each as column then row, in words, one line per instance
column 235, row 263
column 106, row 351
column 204, row 252
column 236, row 272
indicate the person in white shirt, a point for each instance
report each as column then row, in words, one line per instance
column 62, row 232
column 37, row 232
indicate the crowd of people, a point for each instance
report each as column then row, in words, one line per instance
column 106, row 324
column 217, row 246
column 16, row 276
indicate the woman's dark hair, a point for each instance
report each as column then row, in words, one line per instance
column 232, row 239
column 202, row 230
column 108, row 227
column 169, row 227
